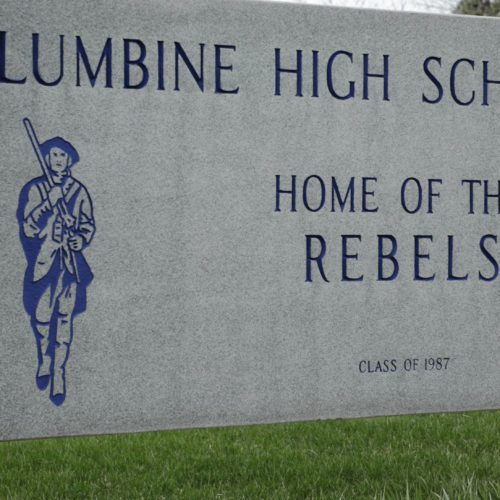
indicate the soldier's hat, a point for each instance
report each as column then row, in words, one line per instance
column 59, row 142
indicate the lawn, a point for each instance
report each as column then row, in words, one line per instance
column 425, row 456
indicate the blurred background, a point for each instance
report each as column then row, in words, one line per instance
column 466, row 7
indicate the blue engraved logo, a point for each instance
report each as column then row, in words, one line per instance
column 56, row 224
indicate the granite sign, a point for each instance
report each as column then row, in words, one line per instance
column 223, row 213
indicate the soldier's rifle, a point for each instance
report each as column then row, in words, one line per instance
column 61, row 203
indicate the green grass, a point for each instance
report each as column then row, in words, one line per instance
column 455, row 456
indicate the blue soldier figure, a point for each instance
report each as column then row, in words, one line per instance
column 56, row 224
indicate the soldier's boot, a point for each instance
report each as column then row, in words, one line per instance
column 44, row 360
column 58, row 387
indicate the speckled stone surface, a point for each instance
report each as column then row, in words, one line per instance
column 209, row 306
